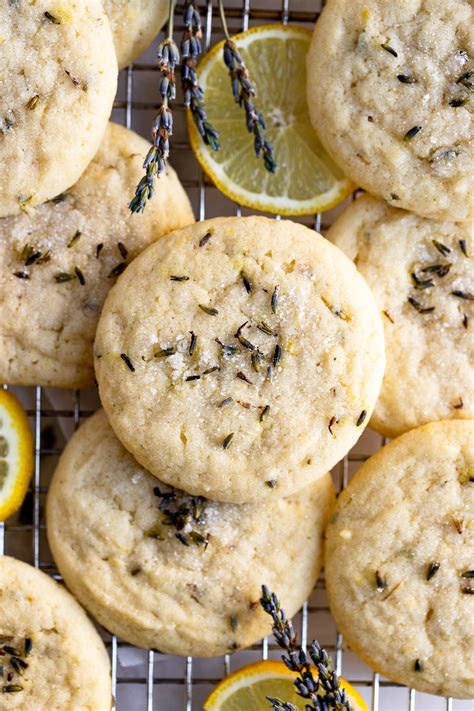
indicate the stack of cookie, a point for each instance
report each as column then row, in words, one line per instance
column 398, row 119
column 66, row 234
column 238, row 360
column 61, row 157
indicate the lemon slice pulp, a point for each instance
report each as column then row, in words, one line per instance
column 247, row 688
column 16, row 454
column 306, row 179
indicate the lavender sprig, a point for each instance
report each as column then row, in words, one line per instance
column 155, row 161
column 192, row 92
column 244, row 92
column 296, row 659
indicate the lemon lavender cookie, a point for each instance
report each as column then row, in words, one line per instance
column 48, row 646
column 390, row 94
column 399, row 560
column 421, row 273
column 58, row 263
column 240, row 358
column 134, row 24
column 57, row 84
column 170, row 571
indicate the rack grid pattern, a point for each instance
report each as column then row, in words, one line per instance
column 164, row 683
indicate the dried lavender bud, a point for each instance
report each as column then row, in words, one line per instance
column 164, row 352
column 432, row 570
column 208, row 371
column 419, row 307
column 463, row 247
column 256, row 359
column 439, row 269
column 209, row 310
column 265, row 328
column 54, row 20
column 456, row 103
column 127, row 362
column 59, row 198
column 204, row 240
column 228, row 350
column 442, row 249
column 75, row 238
column 32, row 102
column 380, row 583
column 411, row 133
column 331, row 424
column 247, row 283
column 406, row 79
column 80, row 276
column 463, row 295
column 466, row 80
column 243, row 377
column 192, row 343
column 118, row 270
column 421, row 283
column 228, row 440
column 389, row 49
column 122, row 249
column 181, row 511
column 361, row 418
column 245, row 343
column 63, row 277
column 277, row 356
column 275, row 297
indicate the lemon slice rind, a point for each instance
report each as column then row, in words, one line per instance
column 277, row 677
column 16, row 454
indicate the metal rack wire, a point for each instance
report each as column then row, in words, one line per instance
column 151, row 681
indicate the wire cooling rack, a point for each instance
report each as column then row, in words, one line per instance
column 146, row 680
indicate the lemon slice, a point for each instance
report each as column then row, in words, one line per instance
column 16, row 454
column 247, row 688
column 306, row 179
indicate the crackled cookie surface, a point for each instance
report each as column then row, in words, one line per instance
column 58, row 263
column 52, row 657
column 239, row 359
column 421, row 273
column 57, row 84
column 170, row 571
column 390, row 94
column 399, row 560
column 134, row 25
